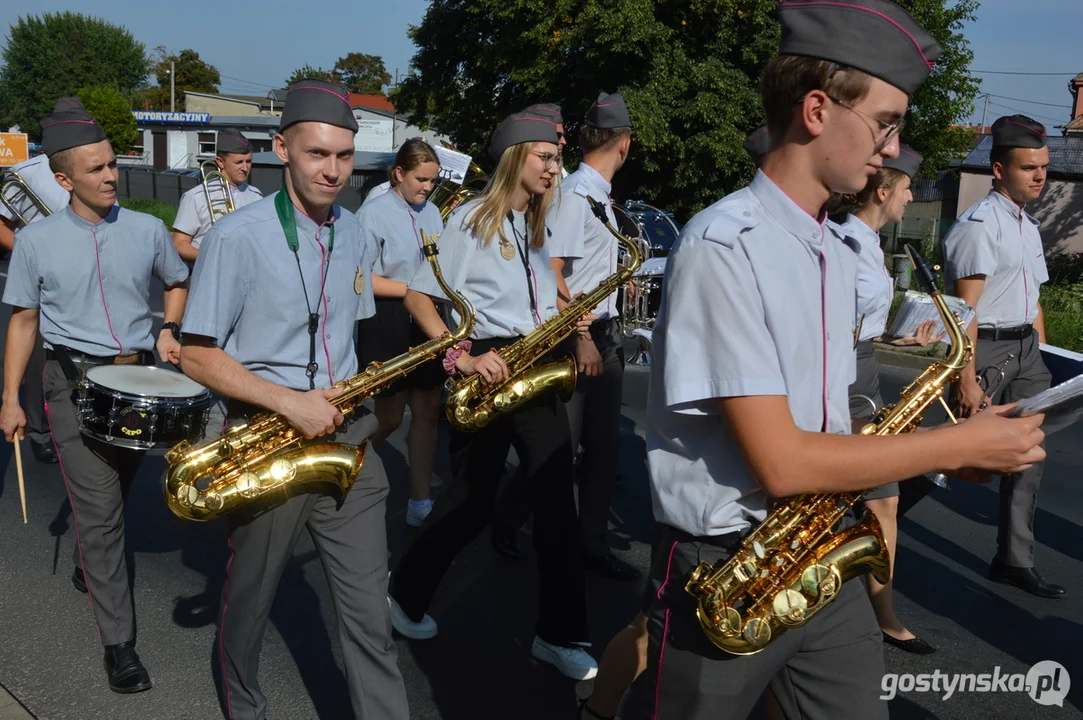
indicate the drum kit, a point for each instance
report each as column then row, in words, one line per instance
column 655, row 231
column 140, row 407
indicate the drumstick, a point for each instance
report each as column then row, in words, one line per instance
column 19, row 470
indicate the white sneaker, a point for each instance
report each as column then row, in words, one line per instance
column 575, row 663
column 423, row 630
column 417, row 511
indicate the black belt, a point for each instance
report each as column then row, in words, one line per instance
column 140, row 357
column 1013, row 333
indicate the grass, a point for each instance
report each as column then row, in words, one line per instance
column 165, row 213
column 1062, row 306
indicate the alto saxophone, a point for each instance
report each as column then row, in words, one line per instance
column 268, row 457
column 795, row 562
column 472, row 404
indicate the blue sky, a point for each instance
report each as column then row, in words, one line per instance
column 256, row 46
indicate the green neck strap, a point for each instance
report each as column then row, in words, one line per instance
column 286, row 216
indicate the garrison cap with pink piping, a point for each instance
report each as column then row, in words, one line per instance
column 907, row 163
column 547, row 110
column 231, row 140
column 66, row 129
column 608, row 111
column 875, row 36
column 318, row 101
column 522, row 127
column 757, row 144
column 1018, row 131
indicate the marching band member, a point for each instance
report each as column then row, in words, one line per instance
column 754, row 356
column 36, row 173
column 882, row 201
column 391, row 226
column 84, row 275
column 494, row 252
column 193, row 221
column 275, row 298
column 996, row 262
column 583, row 253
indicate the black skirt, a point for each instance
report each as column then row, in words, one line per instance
column 390, row 333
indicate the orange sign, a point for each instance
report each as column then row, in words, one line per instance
column 13, row 149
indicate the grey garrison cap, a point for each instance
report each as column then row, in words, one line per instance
column 608, row 111
column 907, row 163
column 875, row 36
column 522, row 127
column 231, row 140
column 757, row 144
column 318, row 101
column 67, row 129
column 547, row 110
column 69, row 102
column 1018, row 131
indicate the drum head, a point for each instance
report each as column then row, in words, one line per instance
column 145, row 381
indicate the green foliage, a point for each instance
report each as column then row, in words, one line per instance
column 1062, row 309
column 360, row 73
column 363, row 73
column 947, row 97
column 113, row 113
column 165, row 213
column 689, row 72
column 193, row 73
column 57, row 54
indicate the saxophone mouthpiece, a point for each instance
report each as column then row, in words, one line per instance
column 923, row 271
column 598, row 209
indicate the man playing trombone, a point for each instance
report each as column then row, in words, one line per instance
column 202, row 205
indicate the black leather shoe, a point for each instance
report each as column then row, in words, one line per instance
column 506, row 546
column 1028, row 579
column 43, row 452
column 79, row 580
column 612, row 567
column 913, row 645
column 126, row 673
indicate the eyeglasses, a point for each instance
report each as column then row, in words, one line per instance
column 887, row 130
column 549, row 159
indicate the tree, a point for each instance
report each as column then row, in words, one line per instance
column 362, row 73
column 314, row 73
column 947, row 97
column 688, row 71
column 193, row 74
column 57, row 54
column 112, row 112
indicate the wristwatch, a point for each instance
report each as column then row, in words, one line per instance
column 173, row 328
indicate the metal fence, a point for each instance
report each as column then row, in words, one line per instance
column 168, row 186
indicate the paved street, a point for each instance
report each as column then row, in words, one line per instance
column 480, row 665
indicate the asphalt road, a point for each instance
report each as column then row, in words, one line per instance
column 480, row 665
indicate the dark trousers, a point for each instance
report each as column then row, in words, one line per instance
column 594, row 419
column 829, row 669
column 539, row 432
column 97, row 477
column 37, row 426
column 352, row 544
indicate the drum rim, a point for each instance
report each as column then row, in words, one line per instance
column 162, row 399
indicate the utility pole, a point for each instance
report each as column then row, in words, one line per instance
column 172, row 86
column 984, row 112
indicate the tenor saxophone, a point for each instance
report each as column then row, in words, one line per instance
column 472, row 404
column 267, row 457
column 796, row 561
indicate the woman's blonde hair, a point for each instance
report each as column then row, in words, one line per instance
column 487, row 217
column 852, row 202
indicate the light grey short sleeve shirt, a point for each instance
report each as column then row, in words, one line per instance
column 36, row 173
column 247, row 293
column 997, row 238
column 193, row 215
column 500, row 290
column 759, row 299
column 875, row 286
column 590, row 251
column 392, row 229
column 91, row 281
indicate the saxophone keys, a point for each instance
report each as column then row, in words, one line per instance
column 757, row 632
column 248, row 485
column 281, row 471
column 758, row 549
column 816, row 579
column 790, row 606
column 213, row 501
column 187, row 495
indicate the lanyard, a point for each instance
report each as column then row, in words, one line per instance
column 285, row 211
column 520, row 241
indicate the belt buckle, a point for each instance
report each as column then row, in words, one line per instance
column 131, row 359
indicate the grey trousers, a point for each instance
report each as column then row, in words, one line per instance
column 37, row 427
column 594, row 413
column 97, row 477
column 352, row 544
column 1024, row 377
column 832, row 668
column 868, row 384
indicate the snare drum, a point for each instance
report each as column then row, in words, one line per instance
column 141, row 407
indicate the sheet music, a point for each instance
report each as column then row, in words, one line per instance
column 453, row 165
column 917, row 307
column 1062, row 405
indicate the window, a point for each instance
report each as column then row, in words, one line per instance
column 137, row 146
column 206, row 144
